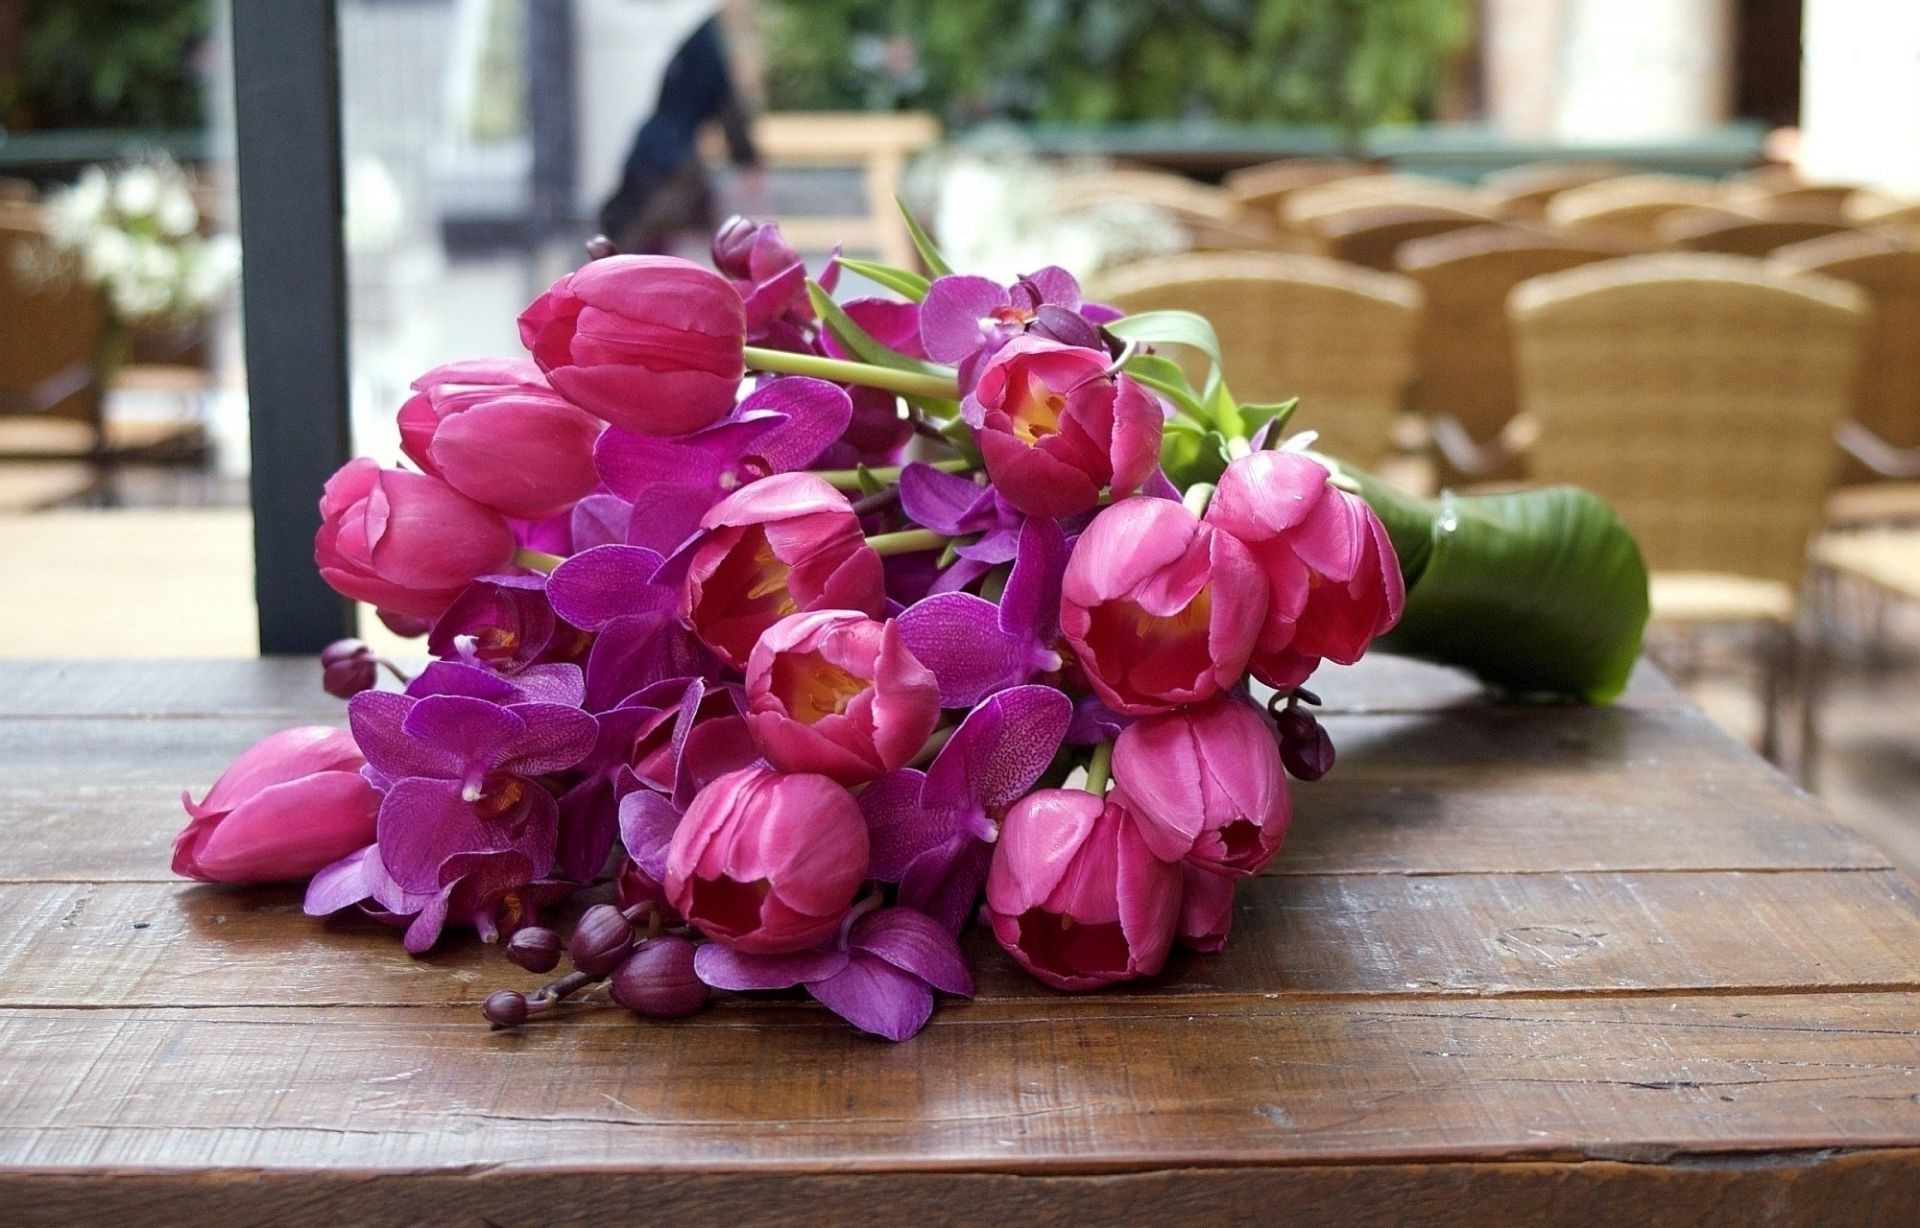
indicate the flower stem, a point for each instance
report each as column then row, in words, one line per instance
column 537, row 560
column 1099, row 768
column 1238, row 447
column 1197, row 497
column 907, row 541
column 849, row 479
column 887, row 379
column 935, row 742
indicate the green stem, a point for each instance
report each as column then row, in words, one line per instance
column 1197, row 497
column 906, row 383
column 537, row 560
column 849, row 479
column 907, row 541
column 939, row 739
column 995, row 584
column 1099, row 768
column 1238, row 447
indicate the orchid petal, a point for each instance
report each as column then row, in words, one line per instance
column 876, row 997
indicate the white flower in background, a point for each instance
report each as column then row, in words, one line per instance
column 134, row 235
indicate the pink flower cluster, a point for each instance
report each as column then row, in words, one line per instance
column 806, row 636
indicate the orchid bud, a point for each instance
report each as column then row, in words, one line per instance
column 733, row 246
column 658, row 981
column 505, row 1008
column 535, row 948
column 1068, row 327
column 599, row 247
column 601, row 939
column 1305, row 747
column 347, row 667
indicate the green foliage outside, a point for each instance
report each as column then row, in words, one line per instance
column 1350, row 64
column 105, row 64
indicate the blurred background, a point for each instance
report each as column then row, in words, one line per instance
column 1663, row 248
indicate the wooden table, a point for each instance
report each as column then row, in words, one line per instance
column 1548, row 965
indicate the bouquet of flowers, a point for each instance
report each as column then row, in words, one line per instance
column 791, row 637
column 134, row 235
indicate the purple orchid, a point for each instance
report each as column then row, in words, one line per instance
column 618, row 593
column 552, row 683
column 958, row 507
column 669, row 483
column 933, row 832
column 879, row 974
column 494, row 900
column 976, row 647
column 459, row 775
column 965, row 319
column 506, row 624
column 772, row 282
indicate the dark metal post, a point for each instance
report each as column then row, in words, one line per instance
column 286, row 77
column 550, row 114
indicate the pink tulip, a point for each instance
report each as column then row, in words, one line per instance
column 407, row 542
column 497, row 434
column 1333, row 580
column 1207, row 785
column 291, row 805
column 1160, row 609
column 837, row 693
column 1206, row 909
column 778, row 546
column 649, row 343
column 1055, row 428
column 768, row 862
column 1074, row 893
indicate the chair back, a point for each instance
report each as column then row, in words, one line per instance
column 1712, row 230
column 1887, row 397
column 49, row 332
column 1791, row 199
column 1629, row 207
column 1521, row 193
column 1370, row 237
column 1464, row 355
column 1264, row 188
column 1338, row 337
column 1698, row 393
column 1895, row 215
column 1311, row 209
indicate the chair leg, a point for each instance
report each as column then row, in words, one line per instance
column 1773, row 680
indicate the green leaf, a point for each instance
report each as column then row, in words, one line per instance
column 1278, row 412
column 1171, row 327
column 1165, row 377
column 863, row 344
column 1224, row 410
column 903, row 282
column 869, row 484
column 929, row 254
column 1537, row 592
column 1191, row 453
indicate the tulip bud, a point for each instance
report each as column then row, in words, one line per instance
column 649, row 343
column 293, row 804
column 768, row 862
column 404, row 541
column 535, row 948
column 837, row 693
column 1207, row 786
column 601, row 939
column 347, row 667
column 658, row 981
column 504, row 1008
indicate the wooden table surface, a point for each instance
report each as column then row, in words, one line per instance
column 1580, row 965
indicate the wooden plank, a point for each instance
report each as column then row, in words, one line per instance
column 1476, row 789
column 1867, row 1189
column 1105, row 1083
column 146, row 944
column 275, row 685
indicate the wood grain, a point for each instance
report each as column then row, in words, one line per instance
column 1106, row 1082
column 1516, row 964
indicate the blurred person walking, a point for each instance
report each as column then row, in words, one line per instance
column 664, row 188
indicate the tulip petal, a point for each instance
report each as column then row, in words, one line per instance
column 876, row 997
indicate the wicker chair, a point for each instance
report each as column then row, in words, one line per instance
column 1521, row 193
column 1699, row 394
column 1212, row 219
column 1370, row 237
column 1896, row 216
column 47, row 342
column 1311, row 210
column 1338, row 337
column 1714, row 230
column 1464, row 379
column 1772, row 197
column 1881, row 476
column 1264, row 188
column 1627, row 209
